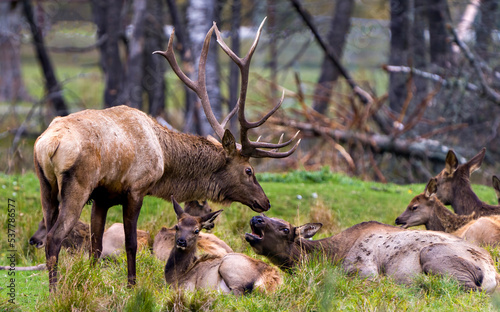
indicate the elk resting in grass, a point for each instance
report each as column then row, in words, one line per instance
column 234, row 272
column 426, row 209
column 119, row 155
column 79, row 238
column 371, row 249
column 454, row 187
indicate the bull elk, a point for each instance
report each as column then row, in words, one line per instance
column 454, row 187
column 426, row 209
column 234, row 272
column 371, row 249
column 119, row 155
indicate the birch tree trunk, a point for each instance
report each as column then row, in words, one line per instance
column 200, row 15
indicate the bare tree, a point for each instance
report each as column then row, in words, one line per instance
column 339, row 28
column 11, row 83
column 51, row 84
column 107, row 17
column 200, row 15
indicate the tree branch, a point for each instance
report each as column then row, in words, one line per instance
column 364, row 96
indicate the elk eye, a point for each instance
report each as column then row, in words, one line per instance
column 196, row 231
column 176, row 227
column 285, row 230
column 414, row 207
column 248, row 171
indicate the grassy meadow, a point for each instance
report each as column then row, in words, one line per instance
column 335, row 200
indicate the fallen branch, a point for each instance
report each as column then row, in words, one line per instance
column 39, row 267
column 430, row 76
column 488, row 92
column 420, row 149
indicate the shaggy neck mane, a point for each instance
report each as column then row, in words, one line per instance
column 445, row 220
column 190, row 165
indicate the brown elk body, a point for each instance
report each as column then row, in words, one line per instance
column 371, row 249
column 426, row 209
column 79, row 238
column 233, row 272
column 119, row 155
column 454, row 187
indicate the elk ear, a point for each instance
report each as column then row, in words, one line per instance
column 496, row 185
column 229, row 143
column 178, row 209
column 451, row 162
column 207, row 221
column 431, row 188
column 307, row 230
column 475, row 162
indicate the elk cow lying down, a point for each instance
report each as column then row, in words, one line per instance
column 454, row 187
column 372, row 248
column 234, row 272
column 426, row 209
column 79, row 238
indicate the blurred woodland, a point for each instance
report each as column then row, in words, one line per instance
column 379, row 89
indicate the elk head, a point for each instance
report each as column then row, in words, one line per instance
column 277, row 239
column 188, row 227
column 420, row 209
column 454, row 177
column 238, row 154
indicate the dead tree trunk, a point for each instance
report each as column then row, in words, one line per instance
column 489, row 15
column 184, row 46
column 51, row 84
column 11, row 83
column 341, row 23
column 200, row 15
column 154, row 76
column 107, row 17
column 398, row 52
column 234, row 71
column 439, row 45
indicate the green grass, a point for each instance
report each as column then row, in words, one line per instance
column 336, row 200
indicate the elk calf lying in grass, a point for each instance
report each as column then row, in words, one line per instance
column 372, row 248
column 234, row 272
column 207, row 244
column 454, row 187
column 79, row 238
column 426, row 209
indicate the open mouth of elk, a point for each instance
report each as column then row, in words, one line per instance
column 256, row 235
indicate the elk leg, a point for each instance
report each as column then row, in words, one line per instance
column 440, row 260
column 98, row 221
column 131, row 211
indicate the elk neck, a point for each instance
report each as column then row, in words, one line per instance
column 179, row 263
column 190, row 166
column 465, row 201
column 445, row 220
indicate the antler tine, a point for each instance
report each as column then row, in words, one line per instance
column 199, row 87
column 258, row 153
column 257, row 144
column 248, row 147
column 170, row 56
column 279, row 142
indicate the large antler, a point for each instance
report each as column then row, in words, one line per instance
column 248, row 148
